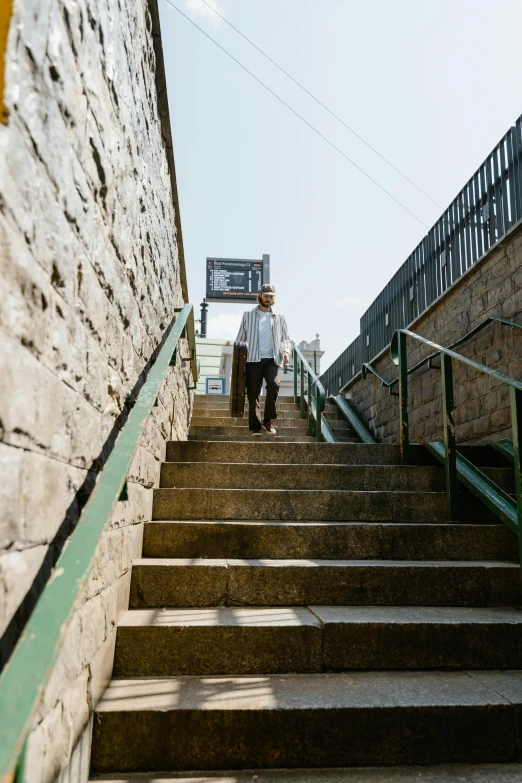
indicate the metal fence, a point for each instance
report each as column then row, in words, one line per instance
column 484, row 210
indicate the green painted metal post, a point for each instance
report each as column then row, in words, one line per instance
column 295, row 374
column 318, row 406
column 309, row 394
column 450, row 465
column 403, row 398
column 516, row 424
column 302, row 398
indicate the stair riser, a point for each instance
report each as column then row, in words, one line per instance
column 334, row 585
column 163, row 652
column 265, row 451
column 328, row 541
column 178, row 651
column 242, row 429
column 321, row 477
column 415, row 646
column 249, row 438
column 348, row 477
column 260, row 738
column 283, row 411
column 299, row 505
column 283, row 421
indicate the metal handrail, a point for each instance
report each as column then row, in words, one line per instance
column 447, row 356
column 23, row 680
column 481, row 215
column 367, row 367
column 320, row 397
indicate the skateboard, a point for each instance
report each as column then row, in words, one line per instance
column 237, row 382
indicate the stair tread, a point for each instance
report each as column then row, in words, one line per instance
column 233, row 616
column 235, row 438
column 438, row 615
column 439, row 773
column 328, row 523
column 311, row 563
column 317, row 692
column 316, row 616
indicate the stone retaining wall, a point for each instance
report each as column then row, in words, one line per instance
column 491, row 288
column 91, row 269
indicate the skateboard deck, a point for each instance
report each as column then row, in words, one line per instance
column 237, row 382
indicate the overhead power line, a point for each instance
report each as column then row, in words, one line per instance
column 311, row 95
column 299, row 116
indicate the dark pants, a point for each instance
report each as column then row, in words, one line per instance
column 255, row 372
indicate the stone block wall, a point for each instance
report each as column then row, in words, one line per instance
column 492, row 288
column 91, row 270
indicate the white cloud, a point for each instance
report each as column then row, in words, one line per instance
column 199, row 9
column 224, row 326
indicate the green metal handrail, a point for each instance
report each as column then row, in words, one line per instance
column 314, row 412
column 447, row 356
column 23, row 680
column 367, row 367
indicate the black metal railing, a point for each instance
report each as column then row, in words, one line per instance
column 483, row 212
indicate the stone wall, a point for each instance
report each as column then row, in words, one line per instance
column 492, row 288
column 91, row 269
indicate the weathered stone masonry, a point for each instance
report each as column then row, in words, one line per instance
column 492, row 288
column 91, row 271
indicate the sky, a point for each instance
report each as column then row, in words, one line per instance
column 433, row 85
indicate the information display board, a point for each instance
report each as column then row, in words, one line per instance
column 235, row 279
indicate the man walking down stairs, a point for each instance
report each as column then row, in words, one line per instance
column 307, row 606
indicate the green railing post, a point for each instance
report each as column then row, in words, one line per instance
column 318, row 407
column 295, row 373
column 403, row 398
column 302, row 398
column 516, row 424
column 450, row 465
column 313, row 397
column 309, row 393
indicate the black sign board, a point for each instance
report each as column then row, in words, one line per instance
column 235, row 279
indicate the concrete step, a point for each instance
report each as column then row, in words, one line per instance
column 249, row 438
column 250, row 475
column 268, row 640
column 211, row 413
column 439, row 773
column 283, row 404
column 299, row 505
column 241, row 428
column 267, row 450
column 432, row 637
column 323, row 540
column 305, row 720
column 222, row 640
column 190, row 582
column 282, row 421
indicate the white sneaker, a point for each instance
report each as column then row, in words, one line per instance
column 269, row 427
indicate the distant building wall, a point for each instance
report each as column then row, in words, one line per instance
column 491, row 288
column 210, row 361
column 91, row 269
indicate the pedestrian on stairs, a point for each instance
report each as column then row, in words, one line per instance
column 266, row 332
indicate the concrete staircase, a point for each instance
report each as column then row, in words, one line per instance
column 211, row 421
column 305, row 605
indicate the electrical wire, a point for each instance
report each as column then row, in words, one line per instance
column 332, row 113
column 299, row 116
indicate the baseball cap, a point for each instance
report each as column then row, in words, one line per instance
column 268, row 288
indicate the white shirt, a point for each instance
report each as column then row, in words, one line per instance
column 266, row 346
